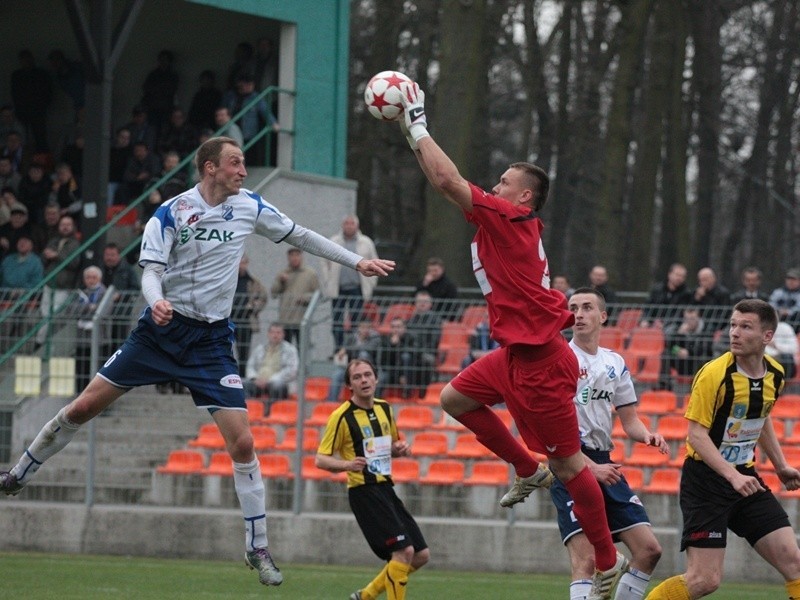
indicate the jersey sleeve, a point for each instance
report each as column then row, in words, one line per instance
column 270, row 222
column 158, row 236
column 624, row 392
column 494, row 214
column 702, row 398
column 327, row 444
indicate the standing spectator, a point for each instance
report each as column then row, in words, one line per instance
column 598, row 280
column 243, row 64
column 253, row 120
column 9, row 123
column 119, row 155
column 60, row 251
column 34, row 192
column 667, row 297
column 348, row 290
column 222, row 116
column 294, row 286
column 361, row 343
column 687, row 345
column 8, row 176
column 32, row 94
column 751, row 286
column 22, row 269
column 396, row 358
column 426, row 327
column 18, row 226
column 440, row 288
column 67, row 192
column 171, row 187
column 266, row 66
column 606, row 383
column 272, row 368
column 204, row 102
column 248, row 302
column 177, row 135
column 120, row 274
column 89, row 296
column 527, row 318
column 18, row 153
column 69, row 76
column 712, row 296
column 142, row 131
column 141, row 168
column 784, row 348
column 159, row 91
column 720, row 490
column 360, row 439
column 561, row 283
column 786, row 299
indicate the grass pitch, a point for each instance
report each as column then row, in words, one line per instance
column 80, row 577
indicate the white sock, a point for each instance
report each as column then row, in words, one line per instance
column 52, row 438
column 252, row 498
column 632, row 585
column 579, row 589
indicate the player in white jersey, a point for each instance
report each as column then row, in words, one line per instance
column 190, row 253
column 605, row 382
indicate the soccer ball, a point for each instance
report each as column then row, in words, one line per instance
column 382, row 95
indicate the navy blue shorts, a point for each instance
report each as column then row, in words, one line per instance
column 197, row 354
column 624, row 510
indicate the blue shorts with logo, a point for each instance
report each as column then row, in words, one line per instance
column 624, row 510
column 197, row 354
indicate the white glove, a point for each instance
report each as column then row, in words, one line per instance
column 414, row 124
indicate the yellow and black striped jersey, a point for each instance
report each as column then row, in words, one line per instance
column 351, row 430
column 733, row 406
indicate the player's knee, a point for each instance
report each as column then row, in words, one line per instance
column 242, row 447
column 703, row 583
column 455, row 403
column 649, row 556
column 421, row 558
column 404, row 555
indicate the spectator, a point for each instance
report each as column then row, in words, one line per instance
column 751, row 286
column 711, row 295
column 59, row 252
column 72, row 154
column 7, row 198
column 8, row 176
column 177, row 135
column 204, row 102
column 786, row 299
column 22, row 269
column 17, row 227
column 248, row 302
column 598, row 280
column 252, row 121
column 68, row 75
column 362, row 343
column 120, row 274
column 222, row 116
column 141, row 168
column 159, row 91
column 171, row 187
column 686, row 347
column 32, row 94
column 347, row 289
column 89, row 297
column 480, row 343
column 784, row 348
column 561, row 283
column 426, row 327
column 266, row 66
column 18, row 153
column 142, row 131
column 52, row 215
column 667, row 297
column 243, row 64
column 66, row 192
column 294, row 286
column 34, row 192
column 9, row 123
column 440, row 288
column 119, row 155
column 396, row 358
column 272, row 368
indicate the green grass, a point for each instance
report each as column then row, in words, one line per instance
column 79, row 577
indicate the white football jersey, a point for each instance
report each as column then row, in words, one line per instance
column 603, row 381
column 202, row 245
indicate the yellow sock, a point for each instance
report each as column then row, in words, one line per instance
column 396, row 580
column 793, row 589
column 673, row 588
column 376, row 586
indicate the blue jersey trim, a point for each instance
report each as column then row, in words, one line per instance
column 164, row 216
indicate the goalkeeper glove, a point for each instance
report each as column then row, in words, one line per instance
column 414, row 124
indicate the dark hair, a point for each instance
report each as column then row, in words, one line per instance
column 536, row 175
column 764, row 311
column 435, row 260
column 210, row 151
column 358, row 361
column 601, row 300
column 111, row 245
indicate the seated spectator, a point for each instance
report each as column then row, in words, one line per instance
column 426, row 326
column 294, row 286
column 396, row 358
column 89, row 297
column 271, row 368
column 440, row 288
column 687, row 346
column 52, row 215
column 17, row 227
column 16, row 152
column 23, row 269
column 751, row 286
column 7, row 198
column 783, row 347
column 561, row 283
column 142, row 166
column 362, row 343
column 598, row 280
column 9, row 121
column 480, row 343
column 204, row 102
column 712, row 296
column 34, row 192
column 177, row 181
column 66, row 192
column 177, row 135
column 786, row 299
column 118, row 273
column 8, row 176
column 142, row 131
column 222, row 116
column 666, row 298
column 60, row 250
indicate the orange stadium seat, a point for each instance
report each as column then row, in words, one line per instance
column 317, row 388
column 320, row 413
column 400, row 309
column 673, row 427
column 182, row 462
column 453, row 357
column 787, row 407
column 220, row 464
column 429, row 444
column 432, row 393
column 275, row 466
column 618, row 432
column 634, row 476
column 613, row 338
column 467, row 446
column 208, row 436
column 454, row 335
column 282, row 412
column 444, row 472
column 646, row 456
column 405, row 470
column 488, row 472
column 264, row 437
column 629, row 318
column 664, row 481
column 657, row 402
column 255, row 410
column 309, row 470
column 414, row 417
column 289, row 441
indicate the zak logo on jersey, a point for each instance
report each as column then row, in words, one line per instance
column 205, row 234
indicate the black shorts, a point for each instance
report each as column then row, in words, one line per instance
column 710, row 507
column 384, row 520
